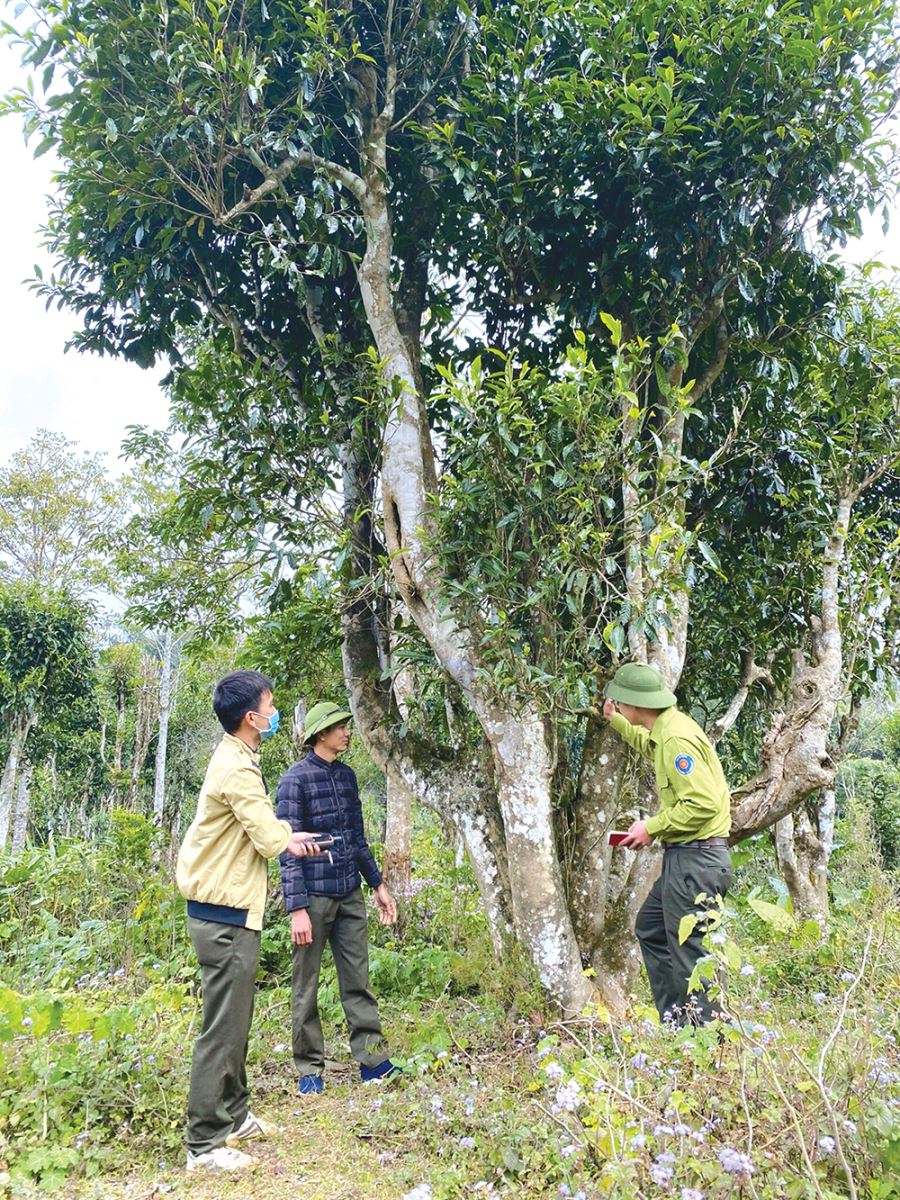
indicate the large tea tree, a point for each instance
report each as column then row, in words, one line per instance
column 302, row 184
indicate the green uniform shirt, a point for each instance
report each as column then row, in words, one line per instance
column 694, row 798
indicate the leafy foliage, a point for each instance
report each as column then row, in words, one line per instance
column 46, row 659
column 56, row 507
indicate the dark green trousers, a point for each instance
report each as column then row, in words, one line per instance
column 687, row 871
column 343, row 923
column 219, row 1095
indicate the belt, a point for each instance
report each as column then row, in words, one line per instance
column 713, row 841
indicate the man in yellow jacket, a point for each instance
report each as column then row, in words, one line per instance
column 693, row 823
column 223, row 876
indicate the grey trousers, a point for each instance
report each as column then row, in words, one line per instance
column 219, row 1096
column 686, row 873
column 342, row 922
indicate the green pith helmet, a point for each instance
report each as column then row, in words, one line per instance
column 322, row 716
column 641, row 686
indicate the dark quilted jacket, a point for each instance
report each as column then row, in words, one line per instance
column 321, row 797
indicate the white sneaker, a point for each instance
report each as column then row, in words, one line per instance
column 223, row 1158
column 252, row 1128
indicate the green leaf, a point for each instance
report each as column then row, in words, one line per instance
column 614, row 637
column 778, row 918
column 709, row 554
column 686, row 927
column 614, row 325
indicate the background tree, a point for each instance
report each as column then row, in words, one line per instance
column 56, row 506
column 180, row 591
column 315, row 194
column 46, row 665
column 119, row 678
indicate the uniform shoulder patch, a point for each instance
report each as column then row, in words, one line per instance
column 684, row 764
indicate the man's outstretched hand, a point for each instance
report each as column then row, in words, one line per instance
column 301, row 846
column 609, row 708
column 637, row 836
column 387, row 905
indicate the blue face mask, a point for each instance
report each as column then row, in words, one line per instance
column 274, row 720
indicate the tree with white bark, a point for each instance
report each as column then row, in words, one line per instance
column 319, row 193
column 119, row 679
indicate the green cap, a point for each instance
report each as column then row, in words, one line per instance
column 641, row 686
column 322, row 716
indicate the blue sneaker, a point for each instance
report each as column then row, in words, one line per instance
column 382, row 1071
column 310, row 1085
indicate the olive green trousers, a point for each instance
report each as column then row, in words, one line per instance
column 219, row 1097
column 342, row 922
column 687, row 872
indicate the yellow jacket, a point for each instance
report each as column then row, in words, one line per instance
column 222, row 861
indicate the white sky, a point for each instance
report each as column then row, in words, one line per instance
column 90, row 399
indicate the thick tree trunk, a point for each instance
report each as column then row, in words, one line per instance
column 795, row 761
column 804, row 840
column 524, row 772
column 23, row 808
column 450, row 784
column 166, row 679
column 803, row 851
column 453, row 787
column 397, row 868
column 18, row 738
column 398, row 798
column 597, row 873
column 7, row 788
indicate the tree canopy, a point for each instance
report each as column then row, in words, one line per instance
column 522, row 315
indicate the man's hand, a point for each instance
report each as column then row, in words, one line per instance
column 301, row 846
column 387, row 906
column 609, row 708
column 638, row 836
column 301, row 927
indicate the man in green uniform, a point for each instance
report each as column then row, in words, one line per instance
column 693, row 823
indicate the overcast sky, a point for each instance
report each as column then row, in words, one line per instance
column 90, row 399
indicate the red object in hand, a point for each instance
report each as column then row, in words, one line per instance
column 616, row 837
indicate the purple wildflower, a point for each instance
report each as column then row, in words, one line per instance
column 734, row 1162
column 661, row 1175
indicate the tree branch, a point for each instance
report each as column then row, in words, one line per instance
column 717, row 365
column 750, row 673
column 276, row 176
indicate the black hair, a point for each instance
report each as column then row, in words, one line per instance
column 236, row 695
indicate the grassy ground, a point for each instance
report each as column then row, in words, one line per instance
column 356, row 1141
column 798, row 1098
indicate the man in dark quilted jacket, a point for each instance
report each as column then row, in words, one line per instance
column 319, row 795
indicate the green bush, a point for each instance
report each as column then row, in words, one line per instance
column 874, row 784
column 82, row 1076
column 89, row 910
column 891, row 728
